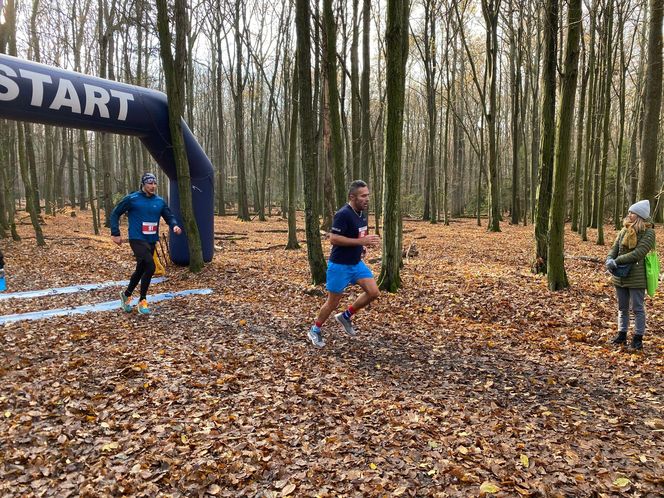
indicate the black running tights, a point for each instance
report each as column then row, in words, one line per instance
column 143, row 251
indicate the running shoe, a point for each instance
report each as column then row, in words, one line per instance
column 316, row 337
column 346, row 324
column 124, row 302
column 143, row 307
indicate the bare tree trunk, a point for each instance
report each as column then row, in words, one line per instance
column 367, row 145
column 292, row 159
column 221, row 129
column 336, row 152
column 606, row 112
column 82, row 199
column 85, row 159
column 243, row 201
column 265, row 162
column 648, row 185
column 4, row 161
column 27, row 182
column 174, row 72
column 49, row 204
column 59, row 192
column 396, row 40
column 358, row 170
column 515, row 65
column 586, row 210
column 556, row 275
column 618, row 192
column 317, row 264
column 32, row 165
column 430, row 69
column 70, row 166
column 548, row 136
column 578, row 171
column 490, row 10
column 106, row 26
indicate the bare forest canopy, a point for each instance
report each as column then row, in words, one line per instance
column 486, row 86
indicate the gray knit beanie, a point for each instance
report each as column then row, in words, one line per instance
column 641, row 209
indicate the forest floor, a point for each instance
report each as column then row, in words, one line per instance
column 472, row 380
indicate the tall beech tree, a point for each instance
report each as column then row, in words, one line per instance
column 556, row 275
column 548, row 136
column 396, row 45
column 174, row 73
column 317, row 264
column 648, row 186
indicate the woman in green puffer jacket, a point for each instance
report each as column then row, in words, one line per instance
column 634, row 241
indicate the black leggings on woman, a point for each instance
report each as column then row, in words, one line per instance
column 145, row 267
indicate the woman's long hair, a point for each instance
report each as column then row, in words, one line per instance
column 639, row 225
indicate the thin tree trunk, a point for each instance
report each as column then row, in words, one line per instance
column 618, row 193
column 32, row 166
column 243, row 200
column 515, row 64
column 27, row 182
column 85, row 159
column 586, row 210
column 336, row 152
column 367, row 146
column 548, row 136
column 490, row 10
column 70, row 167
column 359, row 171
column 648, row 184
column 49, row 187
column 556, row 275
column 606, row 111
column 315, row 257
column 221, row 131
column 106, row 21
column 292, row 159
column 82, row 199
column 578, row 170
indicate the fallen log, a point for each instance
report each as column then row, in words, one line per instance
column 586, row 258
column 230, row 237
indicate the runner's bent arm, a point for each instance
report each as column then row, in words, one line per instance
column 340, row 240
column 168, row 216
column 118, row 211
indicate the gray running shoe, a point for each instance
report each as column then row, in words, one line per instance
column 316, row 337
column 346, row 324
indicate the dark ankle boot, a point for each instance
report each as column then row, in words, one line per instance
column 620, row 339
column 637, row 343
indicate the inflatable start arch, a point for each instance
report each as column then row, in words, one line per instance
column 43, row 94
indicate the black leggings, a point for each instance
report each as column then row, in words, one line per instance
column 143, row 251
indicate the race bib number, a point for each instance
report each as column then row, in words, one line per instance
column 362, row 232
column 149, row 228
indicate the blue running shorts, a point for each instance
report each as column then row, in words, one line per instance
column 340, row 276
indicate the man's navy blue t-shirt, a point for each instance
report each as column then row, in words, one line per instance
column 348, row 223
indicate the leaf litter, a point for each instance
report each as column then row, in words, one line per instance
column 473, row 380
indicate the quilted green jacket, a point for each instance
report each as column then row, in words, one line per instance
column 636, row 279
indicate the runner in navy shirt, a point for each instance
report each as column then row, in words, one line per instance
column 144, row 208
column 348, row 236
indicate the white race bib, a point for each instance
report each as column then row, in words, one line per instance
column 149, row 228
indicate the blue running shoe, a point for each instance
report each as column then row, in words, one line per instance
column 143, row 307
column 124, row 302
column 316, row 337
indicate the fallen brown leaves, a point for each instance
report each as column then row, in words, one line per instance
column 474, row 380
